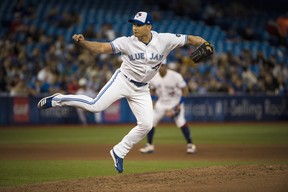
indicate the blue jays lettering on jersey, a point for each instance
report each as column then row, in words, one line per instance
column 138, row 56
column 156, row 57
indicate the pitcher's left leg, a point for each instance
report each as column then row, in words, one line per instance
column 143, row 110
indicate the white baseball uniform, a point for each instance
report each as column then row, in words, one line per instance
column 140, row 64
column 169, row 92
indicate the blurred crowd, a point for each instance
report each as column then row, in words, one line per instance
column 235, row 75
column 242, row 20
column 33, row 63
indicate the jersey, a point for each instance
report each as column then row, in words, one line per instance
column 140, row 61
column 168, row 88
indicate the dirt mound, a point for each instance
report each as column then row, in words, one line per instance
column 216, row 178
column 264, row 178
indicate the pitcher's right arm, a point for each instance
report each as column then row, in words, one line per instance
column 93, row 46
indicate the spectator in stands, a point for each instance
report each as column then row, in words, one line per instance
column 237, row 85
column 107, row 32
column 45, row 74
column 17, row 24
column 232, row 35
column 249, row 80
column 270, row 63
column 254, row 67
column 56, row 86
column 72, row 85
column 283, row 88
column 85, row 58
column 280, row 70
column 60, row 47
column 282, row 22
column 3, row 80
column 89, row 32
column 248, row 33
column 19, row 7
column 67, row 20
column 19, row 89
column 271, row 84
column 35, row 87
column 53, row 16
column 211, row 13
column 30, row 12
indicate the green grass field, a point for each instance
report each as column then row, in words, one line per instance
column 19, row 172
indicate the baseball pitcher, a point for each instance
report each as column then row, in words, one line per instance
column 142, row 55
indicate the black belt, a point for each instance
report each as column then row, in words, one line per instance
column 138, row 84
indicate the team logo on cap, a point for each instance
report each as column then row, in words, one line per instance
column 139, row 15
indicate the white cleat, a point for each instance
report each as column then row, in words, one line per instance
column 147, row 149
column 191, row 148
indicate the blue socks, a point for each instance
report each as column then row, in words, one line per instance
column 186, row 132
column 150, row 135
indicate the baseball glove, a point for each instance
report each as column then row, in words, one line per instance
column 174, row 112
column 202, row 52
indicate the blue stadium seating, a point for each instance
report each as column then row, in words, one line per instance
column 116, row 12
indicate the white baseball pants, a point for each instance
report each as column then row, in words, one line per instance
column 117, row 87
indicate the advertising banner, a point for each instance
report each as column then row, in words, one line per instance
column 21, row 109
column 236, row 108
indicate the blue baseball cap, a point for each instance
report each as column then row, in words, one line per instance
column 142, row 18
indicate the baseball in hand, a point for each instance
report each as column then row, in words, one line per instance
column 78, row 37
